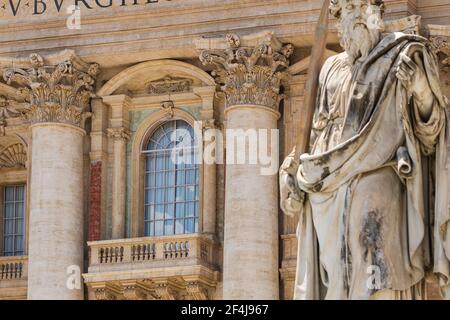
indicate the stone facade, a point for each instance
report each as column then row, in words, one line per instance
column 78, row 107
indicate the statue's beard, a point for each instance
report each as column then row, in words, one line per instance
column 358, row 40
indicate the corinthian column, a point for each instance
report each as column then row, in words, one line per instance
column 250, row 70
column 58, row 95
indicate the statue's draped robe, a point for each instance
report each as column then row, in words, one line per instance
column 364, row 227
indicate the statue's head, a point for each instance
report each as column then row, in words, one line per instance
column 360, row 25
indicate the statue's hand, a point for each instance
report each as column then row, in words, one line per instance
column 291, row 197
column 414, row 79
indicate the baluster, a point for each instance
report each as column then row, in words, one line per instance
column 186, row 248
column 100, row 255
column 139, row 252
column 154, row 251
column 144, row 252
column 181, row 249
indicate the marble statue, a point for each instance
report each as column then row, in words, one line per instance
column 371, row 194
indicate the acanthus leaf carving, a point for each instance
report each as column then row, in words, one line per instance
column 249, row 75
column 119, row 133
column 442, row 45
column 58, row 93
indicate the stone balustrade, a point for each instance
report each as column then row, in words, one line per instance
column 167, row 267
column 13, row 277
column 13, row 268
column 151, row 252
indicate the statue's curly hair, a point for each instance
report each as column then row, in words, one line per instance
column 336, row 7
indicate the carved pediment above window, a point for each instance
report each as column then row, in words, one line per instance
column 169, row 85
column 13, row 156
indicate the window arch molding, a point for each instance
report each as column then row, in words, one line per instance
column 140, row 139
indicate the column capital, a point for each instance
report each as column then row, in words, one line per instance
column 119, row 133
column 440, row 40
column 57, row 91
column 249, row 69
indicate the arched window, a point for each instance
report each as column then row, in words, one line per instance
column 171, row 181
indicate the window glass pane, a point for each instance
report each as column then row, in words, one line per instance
column 196, row 209
column 170, row 177
column 149, row 196
column 159, row 212
column 159, row 228
column 180, row 210
column 196, row 225
column 19, row 210
column 190, row 193
column 169, row 211
column 19, row 227
column 20, row 193
column 9, row 194
column 189, row 209
column 159, row 179
column 18, row 245
column 159, row 196
column 179, row 226
column 168, row 227
column 189, row 226
column 9, row 227
column 170, row 195
column 147, row 228
column 180, row 194
column 190, row 177
column 8, row 244
column 9, row 210
column 159, row 163
column 180, row 177
column 149, row 212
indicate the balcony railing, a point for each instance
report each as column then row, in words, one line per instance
column 152, row 252
column 13, row 268
column 13, row 277
column 168, row 267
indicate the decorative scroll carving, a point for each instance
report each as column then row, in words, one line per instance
column 168, row 107
column 107, row 293
column 169, row 85
column 249, row 74
column 58, row 93
column 7, row 111
column 119, row 133
column 442, row 45
column 134, row 290
column 13, row 156
column 197, row 291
